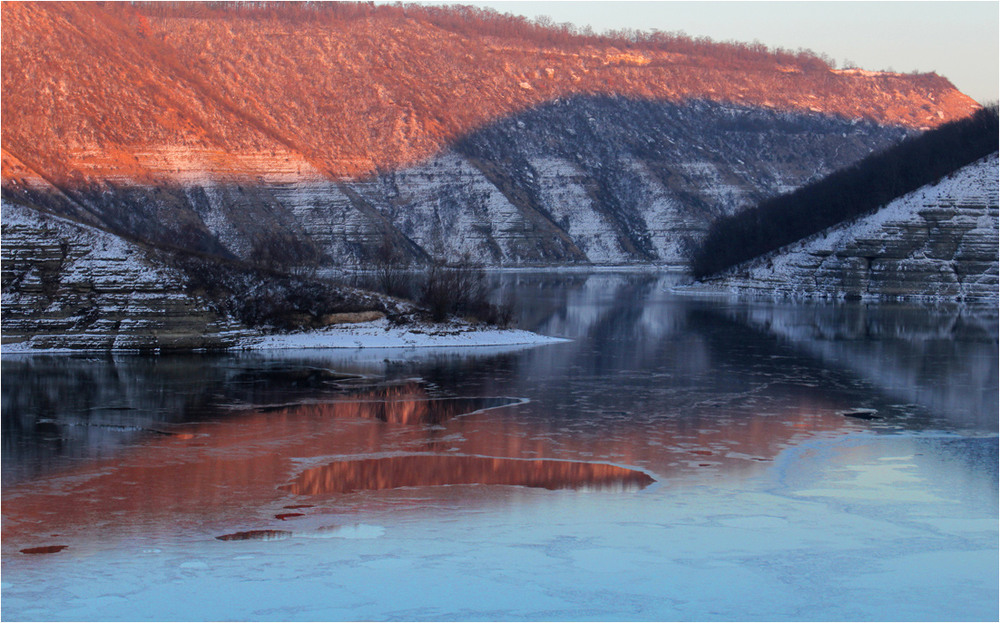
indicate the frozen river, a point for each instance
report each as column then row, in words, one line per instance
column 678, row 459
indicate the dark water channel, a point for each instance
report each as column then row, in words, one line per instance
column 654, row 395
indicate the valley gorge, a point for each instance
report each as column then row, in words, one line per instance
column 297, row 140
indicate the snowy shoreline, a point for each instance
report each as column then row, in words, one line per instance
column 376, row 334
column 380, row 334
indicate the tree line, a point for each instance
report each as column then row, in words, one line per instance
column 472, row 21
column 850, row 193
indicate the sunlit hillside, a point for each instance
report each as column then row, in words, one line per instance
column 179, row 91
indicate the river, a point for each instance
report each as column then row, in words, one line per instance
column 678, row 459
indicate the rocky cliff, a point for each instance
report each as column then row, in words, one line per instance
column 292, row 134
column 70, row 286
column 302, row 136
column 168, row 92
column 67, row 285
column 938, row 243
column 586, row 180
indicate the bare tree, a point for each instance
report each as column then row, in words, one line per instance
column 390, row 269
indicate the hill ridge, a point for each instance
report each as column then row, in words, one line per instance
column 352, row 98
column 938, row 242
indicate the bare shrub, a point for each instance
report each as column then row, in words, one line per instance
column 461, row 289
column 269, row 300
column 391, row 270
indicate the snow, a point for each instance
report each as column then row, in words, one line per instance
column 381, row 334
column 118, row 267
column 562, row 189
column 377, row 336
column 968, row 201
column 107, row 259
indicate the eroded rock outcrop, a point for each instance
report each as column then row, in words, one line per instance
column 588, row 180
column 293, row 135
column 67, row 285
column 939, row 242
column 162, row 92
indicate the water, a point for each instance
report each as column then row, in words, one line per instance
column 679, row 459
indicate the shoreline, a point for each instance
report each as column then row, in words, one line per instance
column 379, row 334
column 375, row 334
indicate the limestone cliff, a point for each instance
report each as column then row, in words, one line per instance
column 291, row 134
column 586, row 180
column 67, row 285
column 302, row 136
column 938, row 243
column 168, row 92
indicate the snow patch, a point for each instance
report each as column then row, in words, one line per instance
column 382, row 334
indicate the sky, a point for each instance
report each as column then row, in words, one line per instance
column 958, row 40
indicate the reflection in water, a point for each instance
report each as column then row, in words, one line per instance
column 256, row 535
column 231, row 471
column 677, row 388
column 45, row 549
column 426, row 470
column 942, row 358
column 401, row 405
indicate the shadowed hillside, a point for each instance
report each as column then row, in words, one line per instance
column 849, row 193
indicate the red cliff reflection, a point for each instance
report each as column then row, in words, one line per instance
column 248, row 470
column 435, row 470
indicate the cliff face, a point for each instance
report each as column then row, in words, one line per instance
column 939, row 242
column 70, row 286
column 290, row 136
column 606, row 180
column 170, row 93
column 287, row 134
column 609, row 180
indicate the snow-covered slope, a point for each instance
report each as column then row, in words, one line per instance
column 938, row 243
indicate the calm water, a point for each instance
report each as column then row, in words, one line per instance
column 679, row 459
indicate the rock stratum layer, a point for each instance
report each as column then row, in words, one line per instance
column 939, row 242
column 586, row 180
column 290, row 135
column 67, row 285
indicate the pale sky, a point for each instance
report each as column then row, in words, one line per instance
column 958, row 40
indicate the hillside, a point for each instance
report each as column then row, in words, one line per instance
column 848, row 193
column 584, row 180
column 172, row 93
column 936, row 243
column 66, row 284
column 310, row 135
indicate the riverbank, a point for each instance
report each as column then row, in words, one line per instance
column 383, row 334
column 362, row 335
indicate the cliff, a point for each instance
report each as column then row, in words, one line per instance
column 67, row 285
column 72, row 286
column 607, row 180
column 937, row 243
column 294, row 135
column 170, row 92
